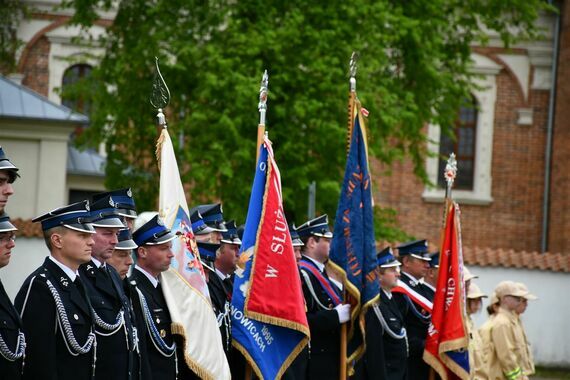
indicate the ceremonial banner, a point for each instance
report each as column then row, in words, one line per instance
column 353, row 251
column 184, row 285
column 446, row 349
column 269, row 325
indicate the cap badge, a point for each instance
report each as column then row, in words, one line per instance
column 129, row 193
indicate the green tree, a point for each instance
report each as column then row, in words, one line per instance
column 11, row 13
column 413, row 69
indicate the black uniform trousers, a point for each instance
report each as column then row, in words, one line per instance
column 416, row 320
column 10, row 327
column 153, row 362
column 324, row 325
column 117, row 357
column 47, row 355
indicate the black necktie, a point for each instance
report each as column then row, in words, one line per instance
column 228, row 287
column 104, row 271
column 78, row 284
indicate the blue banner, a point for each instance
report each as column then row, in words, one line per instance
column 269, row 348
column 353, row 249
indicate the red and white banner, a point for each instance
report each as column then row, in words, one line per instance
column 446, row 349
column 274, row 262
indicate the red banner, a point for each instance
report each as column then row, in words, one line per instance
column 275, row 294
column 447, row 340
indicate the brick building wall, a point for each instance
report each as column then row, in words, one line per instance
column 513, row 219
column 35, row 66
column 559, row 226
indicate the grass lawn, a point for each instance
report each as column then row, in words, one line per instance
column 552, row 373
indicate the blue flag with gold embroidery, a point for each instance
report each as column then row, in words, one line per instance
column 353, row 250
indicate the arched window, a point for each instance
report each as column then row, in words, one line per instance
column 463, row 145
column 71, row 97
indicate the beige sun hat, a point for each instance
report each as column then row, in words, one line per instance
column 528, row 295
column 509, row 288
column 467, row 275
column 475, row 292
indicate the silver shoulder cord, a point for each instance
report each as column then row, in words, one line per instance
column 312, row 290
column 111, row 328
column 402, row 335
column 153, row 331
column 18, row 351
column 423, row 318
column 154, row 335
column 225, row 316
column 69, row 338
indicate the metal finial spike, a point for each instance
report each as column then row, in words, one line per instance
column 450, row 171
column 263, row 89
column 160, row 96
column 353, row 64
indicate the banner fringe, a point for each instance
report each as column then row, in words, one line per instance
column 277, row 322
column 159, row 142
column 300, row 347
column 436, row 364
column 249, row 359
column 179, row 330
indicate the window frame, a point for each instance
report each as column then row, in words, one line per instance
column 84, row 69
column 470, row 104
column 485, row 94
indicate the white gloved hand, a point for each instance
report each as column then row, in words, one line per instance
column 343, row 311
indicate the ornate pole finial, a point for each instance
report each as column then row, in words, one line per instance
column 450, row 173
column 263, row 89
column 160, row 96
column 353, row 67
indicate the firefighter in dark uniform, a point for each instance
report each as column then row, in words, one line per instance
column 208, row 240
column 221, row 281
column 386, row 339
column 122, row 259
column 55, row 309
column 412, row 299
column 325, row 310
column 430, row 279
column 8, row 174
column 124, row 203
column 298, row 369
column 154, row 254
column 218, row 294
column 12, row 339
column 117, row 341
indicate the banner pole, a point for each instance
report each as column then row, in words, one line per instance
column 350, row 126
column 343, row 342
column 449, row 174
column 351, row 99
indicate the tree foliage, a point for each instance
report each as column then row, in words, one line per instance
column 11, row 13
column 413, row 69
